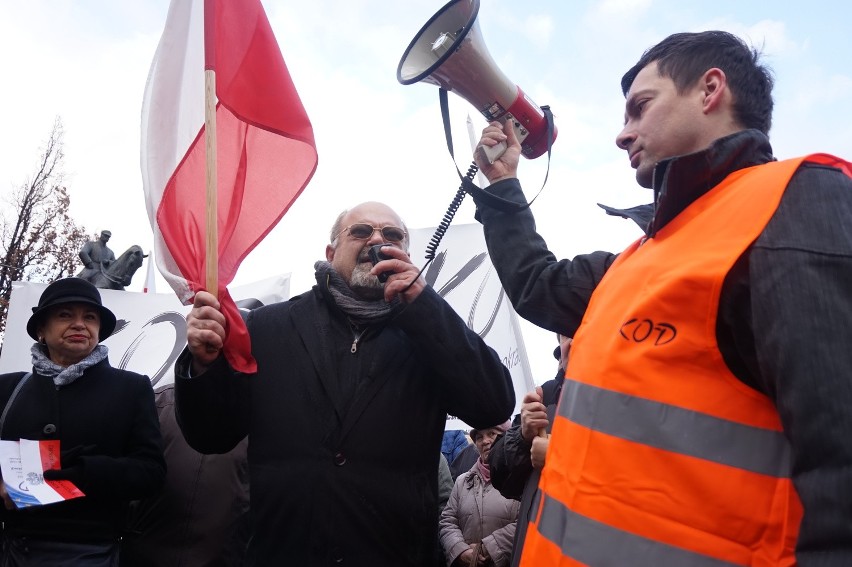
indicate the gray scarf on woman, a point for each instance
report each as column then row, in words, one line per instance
column 360, row 311
column 64, row 375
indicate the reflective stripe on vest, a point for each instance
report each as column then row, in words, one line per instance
column 676, row 429
column 595, row 543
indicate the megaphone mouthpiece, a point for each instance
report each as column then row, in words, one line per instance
column 449, row 52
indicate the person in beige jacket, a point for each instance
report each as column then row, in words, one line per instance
column 478, row 524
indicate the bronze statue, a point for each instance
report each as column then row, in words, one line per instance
column 96, row 256
column 101, row 267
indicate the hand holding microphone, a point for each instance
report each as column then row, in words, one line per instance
column 401, row 277
column 376, row 256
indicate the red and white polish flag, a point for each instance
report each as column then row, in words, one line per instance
column 265, row 146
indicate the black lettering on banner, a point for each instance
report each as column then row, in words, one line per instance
column 642, row 330
column 178, row 322
column 465, row 272
column 512, row 359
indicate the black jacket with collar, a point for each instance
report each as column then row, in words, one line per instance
column 343, row 445
column 785, row 313
column 110, row 414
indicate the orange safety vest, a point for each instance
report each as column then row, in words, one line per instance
column 660, row 455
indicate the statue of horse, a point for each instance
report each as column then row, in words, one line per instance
column 119, row 273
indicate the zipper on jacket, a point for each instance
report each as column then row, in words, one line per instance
column 356, row 336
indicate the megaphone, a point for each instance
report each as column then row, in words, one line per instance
column 449, row 52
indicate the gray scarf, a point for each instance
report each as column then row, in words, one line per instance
column 64, row 375
column 360, row 311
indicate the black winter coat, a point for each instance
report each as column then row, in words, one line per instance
column 344, row 438
column 109, row 412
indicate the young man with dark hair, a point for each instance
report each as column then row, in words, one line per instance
column 704, row 417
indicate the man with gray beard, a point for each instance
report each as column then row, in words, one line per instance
column 346, row 412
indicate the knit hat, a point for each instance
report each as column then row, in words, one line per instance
column 503, row 427
column 70, row 290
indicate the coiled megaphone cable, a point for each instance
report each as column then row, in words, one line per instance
column 468, row 186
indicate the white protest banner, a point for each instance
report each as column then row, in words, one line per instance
column 150, row 332
column 464, row 276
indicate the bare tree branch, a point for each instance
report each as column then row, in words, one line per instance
column 40, row 242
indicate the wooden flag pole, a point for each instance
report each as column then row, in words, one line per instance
column 212, row 243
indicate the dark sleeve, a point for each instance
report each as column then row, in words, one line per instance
column 463, row 461
column 445, row 482
column 509, row 463
column 509, row 459
column 141, row 470
column 801, row 273
column 212, row 408
column 550, row 293
column 477, row 387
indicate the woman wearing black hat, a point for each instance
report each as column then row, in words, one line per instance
column 105, row 420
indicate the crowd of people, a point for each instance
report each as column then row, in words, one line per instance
column 700, row 419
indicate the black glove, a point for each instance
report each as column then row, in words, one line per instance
column 74, row 474
column 71, row 457
column 72, row 466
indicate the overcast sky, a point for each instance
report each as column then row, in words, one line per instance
column 86, row 61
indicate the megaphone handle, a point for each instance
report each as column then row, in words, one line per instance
column 493, row 153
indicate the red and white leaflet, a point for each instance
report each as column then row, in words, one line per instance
column 23, row 464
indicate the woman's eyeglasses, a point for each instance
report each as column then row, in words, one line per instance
column 363, row 231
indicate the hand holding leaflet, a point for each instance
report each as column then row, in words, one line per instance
column 23, row 464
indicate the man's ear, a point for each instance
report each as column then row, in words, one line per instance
column 714, row 85
column 329, row 252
